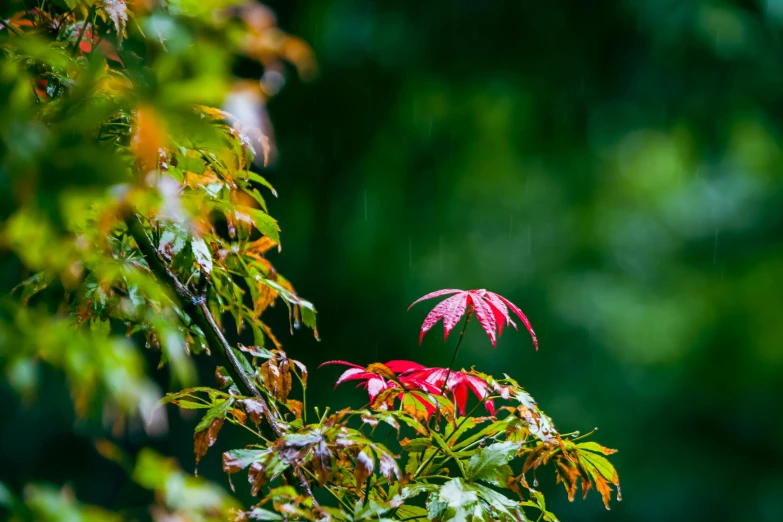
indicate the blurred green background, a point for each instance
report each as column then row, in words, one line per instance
column 611, row 167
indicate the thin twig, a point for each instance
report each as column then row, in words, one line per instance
column 10, row 28
column 454, row 355
column 195, row 306
column 87, row 20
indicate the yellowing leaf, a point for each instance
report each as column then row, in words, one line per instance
column 277, row 377
column 266, row 295
column 296, row 407
column 149, row 138
column 382, row 370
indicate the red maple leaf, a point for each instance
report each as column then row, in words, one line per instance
column 375, row 382
column 458, row 384
column 490, row 309
column 88, row 41
column 409, row 375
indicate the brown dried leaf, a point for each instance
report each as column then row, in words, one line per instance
column 603, row 488
column 322, row 462
column 277, row 377
column 365, row 465
column 389, row 467
column 257, row 476
column 411, row 408
column 259, row 247
column 239, row 415
column 382, row 370
column 266, row 148
column 255, row 409
column 296, row 407
column 385, row 399
column 204, row 439
column 266, row 296
column 222, row 378
column 231, row 464
column 569, row 474
column 255, row 351
column 536, row 457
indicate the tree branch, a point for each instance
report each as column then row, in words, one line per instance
column 195, row 306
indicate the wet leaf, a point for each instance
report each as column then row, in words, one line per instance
column 222, row 378
column 205, row 438
column 261, row 221
column 239, row 459
column 254, row 409
column 417, row 445
column 408, row 512
column 490, row 309
column 202, row 254
column 217, row 411
column 455, row 500
column 118, row 13
column 595, row 447
column 365, row 465
column 239, row 415
column 296, row 407
column 382, row 370
column 486, row 460
column 322, row 461
column 388, row 466
column 256, row 351
column 276, row 373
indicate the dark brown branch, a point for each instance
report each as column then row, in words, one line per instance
column 195, row 306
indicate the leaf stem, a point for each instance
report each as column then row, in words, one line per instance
column 304, row 398
column 87, row 20
column 446, row 477
column 10, row 28
column 424, row 465
column 367, row 490
column 341, row 500
column 585, row 435
column 454, row 355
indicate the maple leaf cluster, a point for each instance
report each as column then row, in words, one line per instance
column 492, row 312
column 408, row 376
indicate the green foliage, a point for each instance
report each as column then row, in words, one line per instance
column 139, row 216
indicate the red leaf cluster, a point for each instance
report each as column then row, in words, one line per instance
column 412, row 376
column 491, row 310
